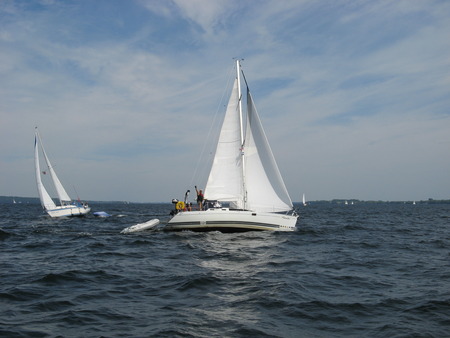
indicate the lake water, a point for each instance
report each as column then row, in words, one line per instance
column 363, row 270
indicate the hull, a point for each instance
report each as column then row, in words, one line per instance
column 226, row 220
column 68, row 211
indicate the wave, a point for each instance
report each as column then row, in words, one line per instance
column 4, row 234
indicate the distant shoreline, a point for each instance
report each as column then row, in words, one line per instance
column 35, row 200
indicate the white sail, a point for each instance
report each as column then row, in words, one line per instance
column 225, row 178
column 62, row 194
column 266, row 190
column 46, row 200
column 251, row 181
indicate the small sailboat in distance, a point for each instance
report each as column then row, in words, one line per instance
column 304, row 200
column 67, row 207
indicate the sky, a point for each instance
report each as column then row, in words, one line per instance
column 354, row 95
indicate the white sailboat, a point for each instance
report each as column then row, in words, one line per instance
column 245, row 190
column 67, row 207
column 304, row 200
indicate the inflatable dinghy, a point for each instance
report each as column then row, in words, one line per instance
column 141, row 226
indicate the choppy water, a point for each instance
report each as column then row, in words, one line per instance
column 372, row 270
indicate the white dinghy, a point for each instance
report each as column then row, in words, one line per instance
column 244, row 177
column 141, row 226
column 67, row 207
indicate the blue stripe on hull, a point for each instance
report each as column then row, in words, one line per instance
column 223, row 226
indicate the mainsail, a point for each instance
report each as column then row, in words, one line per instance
column 225, row 182
column 244, row 171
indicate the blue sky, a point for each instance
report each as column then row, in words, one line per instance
column 354, row 95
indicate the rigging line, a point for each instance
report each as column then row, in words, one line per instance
column 194, row 176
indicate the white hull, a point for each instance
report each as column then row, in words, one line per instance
column 226, row 220
column 68, row 211
column 141, row 226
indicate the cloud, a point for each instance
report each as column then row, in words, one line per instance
column 353, row 95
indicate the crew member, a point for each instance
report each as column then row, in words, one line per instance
column 199, row 198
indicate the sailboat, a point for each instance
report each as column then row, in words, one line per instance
column 304, row 200
column 67, row 207
column 244, row 190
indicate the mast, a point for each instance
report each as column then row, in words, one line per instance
column 238, row 69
